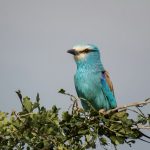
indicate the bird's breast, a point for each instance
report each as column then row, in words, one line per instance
column 87, row 84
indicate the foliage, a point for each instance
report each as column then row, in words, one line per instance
column 36, row 127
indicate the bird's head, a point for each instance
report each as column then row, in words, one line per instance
column 87, row 57
column 84, row 52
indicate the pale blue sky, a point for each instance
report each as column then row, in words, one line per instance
column 35, row 35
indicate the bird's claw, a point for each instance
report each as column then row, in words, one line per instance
column 102, row 111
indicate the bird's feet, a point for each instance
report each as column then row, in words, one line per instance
column 102, row 111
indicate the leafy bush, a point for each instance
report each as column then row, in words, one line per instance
column 36, row 127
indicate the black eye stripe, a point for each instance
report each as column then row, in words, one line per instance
column 87, row 51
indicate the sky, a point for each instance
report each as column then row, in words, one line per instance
column 35, row 35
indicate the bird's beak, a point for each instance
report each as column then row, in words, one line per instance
column 72, row 51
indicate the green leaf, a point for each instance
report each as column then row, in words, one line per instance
column 122, row 114
column 27, row 104
column 103, row 140
column 129, row 122
column 62, row 91
column 88, row 138
column 115, row 127
column 142, row 119
column 83, row 132
column 54, row 109
column 149, row 118
column 16, row 124
column 19, row 94
column 66, row 116
column 37, row 97
column 35, row 105
column 117, row 140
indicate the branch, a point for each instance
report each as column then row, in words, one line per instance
column 124, row 107
column 141, row 127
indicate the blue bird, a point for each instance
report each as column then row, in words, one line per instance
column 92, row 81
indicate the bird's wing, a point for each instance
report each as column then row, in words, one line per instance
column 107, row 89
column 108, row 80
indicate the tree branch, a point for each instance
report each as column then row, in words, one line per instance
column 124, row 107
column 141, row 127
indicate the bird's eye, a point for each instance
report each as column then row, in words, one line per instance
column 86, row 50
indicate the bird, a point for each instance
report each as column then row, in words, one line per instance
column 92, row 82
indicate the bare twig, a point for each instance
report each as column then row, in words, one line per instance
column 141, row 111
column 124, row 107
column 135, row 112
column 141, row 127
column 73, row 98
column 28, row 114
column 17, row 116
column 144, row 140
